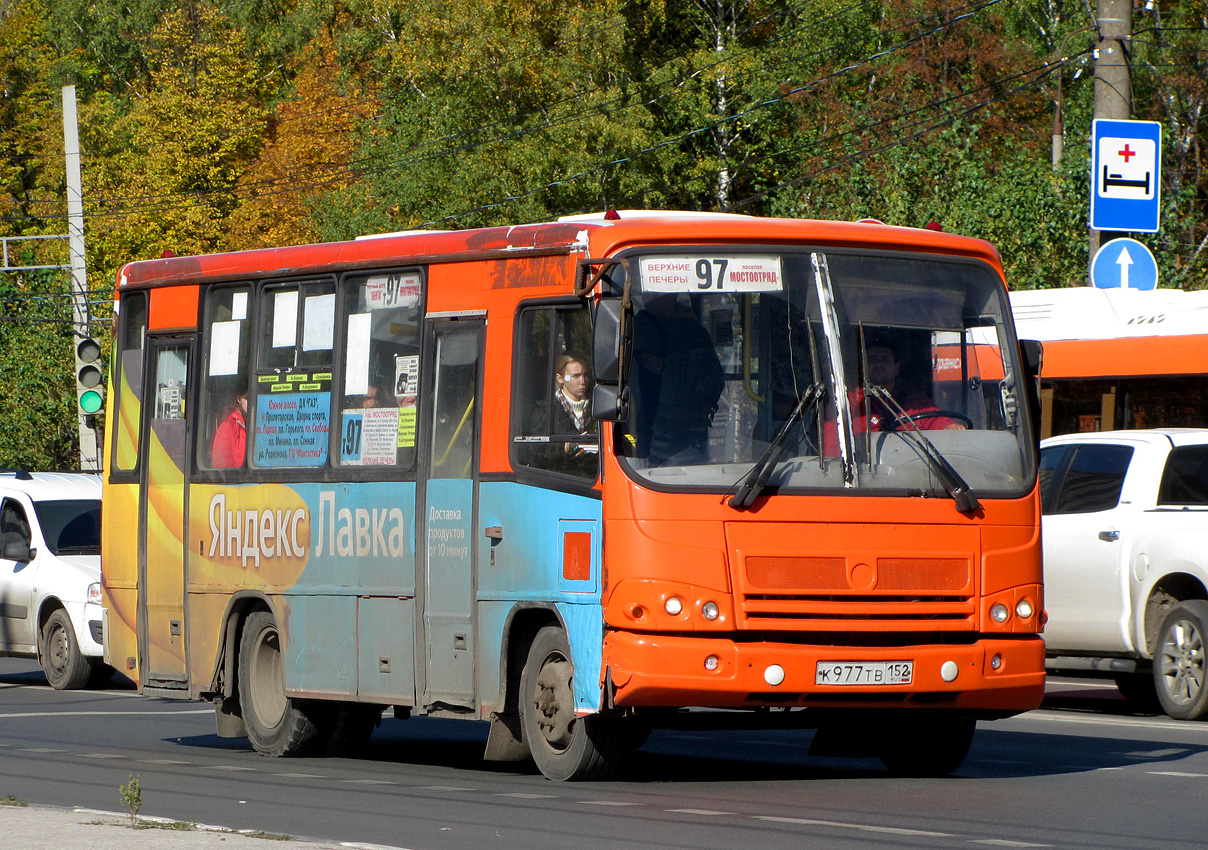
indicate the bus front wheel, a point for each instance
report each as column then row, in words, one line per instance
column 276, row 725
column 565, row 745
column 926, row 744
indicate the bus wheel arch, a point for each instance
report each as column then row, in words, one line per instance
column 565, row 745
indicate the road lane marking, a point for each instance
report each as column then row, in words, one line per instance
column 1002, row 842
column 617, row 803
column 39, row 750
column 299, row 775
column 231, row 767
column 101, row 756
column 698, row 812
column 1155, row 723
column 890, row 830
column 161, row 761
column 7, row 716
column 442, row 788
column 369, row 782
column 1177, row 773
column 521, row 796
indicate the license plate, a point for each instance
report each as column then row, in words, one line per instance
column 864, row 673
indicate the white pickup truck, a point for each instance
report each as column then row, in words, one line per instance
column 1126, row 562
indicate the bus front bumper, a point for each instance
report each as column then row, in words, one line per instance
column 994, row 676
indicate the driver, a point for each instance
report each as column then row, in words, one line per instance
column 884, row 365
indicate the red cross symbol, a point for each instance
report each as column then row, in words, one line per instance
column 1126, row 153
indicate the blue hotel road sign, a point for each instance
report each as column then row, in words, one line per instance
column 1126, row 158
column 1124, row 264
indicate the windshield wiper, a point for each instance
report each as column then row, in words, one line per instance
column 954, row 484
column 750, row 485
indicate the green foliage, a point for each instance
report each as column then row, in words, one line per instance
column 230, row 124
column 132, row 797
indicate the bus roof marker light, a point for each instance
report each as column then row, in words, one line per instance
column 774, row 675
column 949, row 671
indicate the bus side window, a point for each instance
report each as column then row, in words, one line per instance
column 224, row 390
column 128, row 380
column 289, row 397
column 380, row 383
column 552, row 426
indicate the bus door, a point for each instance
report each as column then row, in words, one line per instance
column 162, row 512
column 448, row 502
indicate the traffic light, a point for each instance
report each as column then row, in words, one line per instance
column 89, row 380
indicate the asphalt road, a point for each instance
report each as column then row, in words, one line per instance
column 1083, row 772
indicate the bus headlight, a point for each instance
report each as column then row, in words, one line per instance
column 710, row 611
column 1024, row 609
column 94, row 592
column 999, row 613
column 673, row 606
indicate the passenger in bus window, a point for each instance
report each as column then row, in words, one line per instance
column 230, row 439
column 375, row 397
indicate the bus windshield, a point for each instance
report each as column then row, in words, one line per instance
column 823, row 370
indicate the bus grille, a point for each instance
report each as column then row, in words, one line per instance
column 828, row 593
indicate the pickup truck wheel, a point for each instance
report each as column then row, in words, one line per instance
column 1178, row 665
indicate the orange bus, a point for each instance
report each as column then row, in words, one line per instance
column 575, row 479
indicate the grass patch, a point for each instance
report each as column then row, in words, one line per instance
column 10, row 800
column 268, row 836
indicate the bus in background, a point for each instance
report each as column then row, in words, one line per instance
column 572, row 478
column 1118, row 358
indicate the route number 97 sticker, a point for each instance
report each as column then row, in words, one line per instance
column 703, row 274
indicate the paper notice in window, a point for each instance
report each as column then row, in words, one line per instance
column 224, row 348
column 319, row 322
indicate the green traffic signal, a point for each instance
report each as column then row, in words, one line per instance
column 91, row 401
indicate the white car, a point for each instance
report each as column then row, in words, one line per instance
column 50, row 574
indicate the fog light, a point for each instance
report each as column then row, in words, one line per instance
column 673, row 606
column 709, row 610
column 774, row 675
column 711, row 662
column 1024, row 609
column 949, row 671
column 1000, row 613
column 996, row 662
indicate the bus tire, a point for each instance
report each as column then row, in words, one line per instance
column 930, row 744
column 65, row 666
column 566, row 747
column 348, row 728
column 1179, row 671
column 276, row 725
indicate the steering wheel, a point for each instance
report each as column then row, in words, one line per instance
column 938, row 414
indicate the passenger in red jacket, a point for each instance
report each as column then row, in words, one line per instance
column 230, row 439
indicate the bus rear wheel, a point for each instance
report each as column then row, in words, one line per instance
column 276, row 725
column 565, row 746
column 930, row 744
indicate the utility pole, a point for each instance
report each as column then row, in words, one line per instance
column 1113, row 79
column 80, row 313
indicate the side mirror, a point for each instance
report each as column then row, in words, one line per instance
column 18, row 550
column 608, row 349
column 610, row 403
column 1031, row 354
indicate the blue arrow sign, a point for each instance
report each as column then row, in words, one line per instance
column 1124, row 264
column 1126, row 173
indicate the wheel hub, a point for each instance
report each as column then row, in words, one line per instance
column 554, row 702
